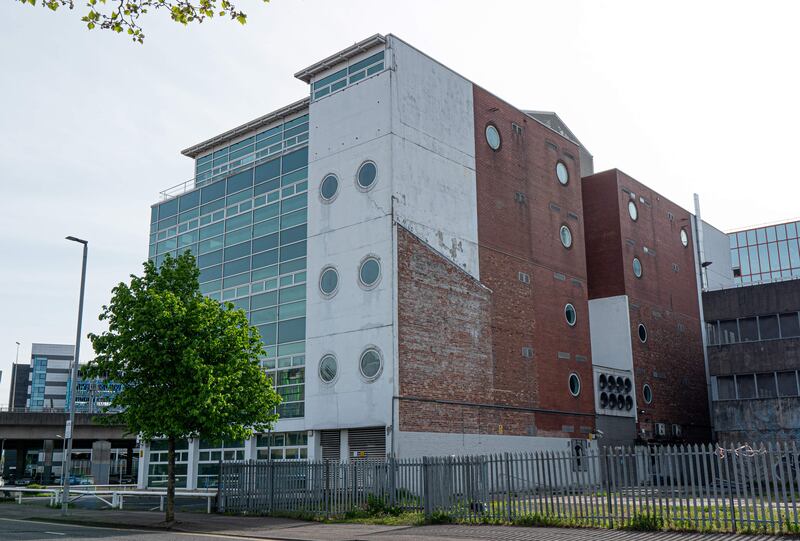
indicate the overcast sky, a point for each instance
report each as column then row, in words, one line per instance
column 684, row 96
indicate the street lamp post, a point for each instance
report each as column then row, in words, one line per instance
column 66, row 461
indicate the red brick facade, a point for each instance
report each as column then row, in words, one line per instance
column 664, row 299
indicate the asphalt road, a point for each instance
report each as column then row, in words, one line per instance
column 30, row 530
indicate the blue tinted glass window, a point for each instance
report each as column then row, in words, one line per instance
column 293, row 250
column 294, row 234
column 775, row 263
column 235, row 267
column 732, row 239
column 289, row 178
column 794, row 253
column 751, row 236
column 292, row 330
column 153, row 214
column 241, row 144
column 268, row 333
column 265, row 258
column 735, row 257
column 330, row 78
column 207, row 260
column 270, row 211
column 236, row 280
column 294, row 203
column 291, row 266
column 189, row 215
column 268, row 171
column 168, row 222
column 781, row 231
column 211, row 273
column 265, row 243
column 239, row 221
column 189, row 200
column 771, row 234
column 170, row 208
column 783, row 252
column 235, row 237
column 295, row 160
column 211, row 230
column 763, row 257
column 267, row 315
column 791, row 230
column 212, row 192
column 295, row 122
column 754, row 263
column 741, row 238
column 211, row 207
column 264, row 300
column 237, row 251
column 744, row 261
column 240, row 181
column 267, row 186
column 237, row 197
column 761, row 235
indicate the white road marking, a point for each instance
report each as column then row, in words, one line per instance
column 55, row 533
column 138, row 530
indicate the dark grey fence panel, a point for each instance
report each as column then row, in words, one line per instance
column 705, row 487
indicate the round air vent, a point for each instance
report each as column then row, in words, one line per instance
column 620, row 402
column 628, row 385
column 629, row 403
column 602, row 382
column 612, row 401
column 612, row 383
column 603, row 400
column 620, row 383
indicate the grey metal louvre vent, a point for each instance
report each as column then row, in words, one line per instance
column 520, row 197
column 577, row 283
column 330, row 441
column 554, row 207
column 559, row 276
column 581, row 358
column 524, row 277
column 572, row 215
column 527, row 352
column 367, row 443
column 564, row 355
column 551, row 146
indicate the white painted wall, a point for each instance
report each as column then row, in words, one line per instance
column 418, row 444
column 434, row 155
column 347, row 128
column 717, row 250
column 610, row 328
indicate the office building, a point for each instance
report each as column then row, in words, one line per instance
column 765, row 254
column 412, row 249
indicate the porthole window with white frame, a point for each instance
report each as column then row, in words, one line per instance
column 633, row 212
column 493, row 137
column 370, row 364
column 369, row 272
column 329, row 282
column 565, row 234
column 328, row 368
column 329, row 188
column 562, row 173
column 367, row 176
column 570, row 314
column 574, row 384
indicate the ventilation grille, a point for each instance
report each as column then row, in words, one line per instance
column 330, row 441
column 527, row 352
column 367, row 443
column 524, row 277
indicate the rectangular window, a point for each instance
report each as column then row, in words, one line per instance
column 729, row 332
column 763, row 257
column 787, row 384
column 746, row 386
column 766, row 385
column 769, row 327
column 726, row 388
column 761, row 235
column 789, row 325
column 748, row 329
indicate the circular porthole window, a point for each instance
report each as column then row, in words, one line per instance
column 574, row 384
column 570, row 315
column 367, row 173
column 633, row 211
column 566, row 236
column 637, row 267
column 329, row 187
column 329, row 281
column 642, row 333
column 684, row 238
column 369, row 272
column 492, row 137
column 328, row 368
column 371, row 364
column 562, row 173
column 647, row 393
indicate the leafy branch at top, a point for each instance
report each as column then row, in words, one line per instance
column 123, row 15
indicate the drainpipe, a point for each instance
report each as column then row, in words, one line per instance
column 702, row 286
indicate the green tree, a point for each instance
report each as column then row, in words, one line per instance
column 123, row 15
column 189, row 367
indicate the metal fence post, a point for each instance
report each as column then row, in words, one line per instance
column 426, row 504
column 507, row 457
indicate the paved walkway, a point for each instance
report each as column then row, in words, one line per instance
column 285, row 529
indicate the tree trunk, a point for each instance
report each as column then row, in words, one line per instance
column 170, row 517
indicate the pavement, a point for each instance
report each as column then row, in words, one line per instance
column 25, row 522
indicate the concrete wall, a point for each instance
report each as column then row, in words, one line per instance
column 610, row 324
column 717, row 250
column 772, row 419
column 433, row 158
column 419, row 444
column 752, row 357
column 347, row 128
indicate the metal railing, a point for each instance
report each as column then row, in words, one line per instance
column 696, row 487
